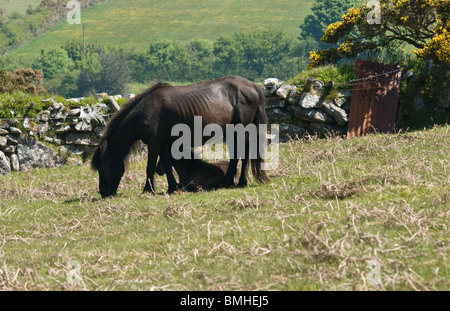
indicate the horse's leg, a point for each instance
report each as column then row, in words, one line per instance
column 243, row 178
column 151, row 168
column 228, row 180
column 167, row 165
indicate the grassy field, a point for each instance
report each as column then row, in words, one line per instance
column 333, row 211
column 18, row 6
column 135, row 23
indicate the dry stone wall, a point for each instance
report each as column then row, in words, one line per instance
column 306, row 111
column 58, row 136
column 61, row 135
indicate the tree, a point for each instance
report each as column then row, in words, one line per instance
column 114, row 75
column 202, row 59
column 53, row 61
column 89, row 75
column 167, row 60
column 324, row 12
column 423, row 24
column 260, row 49
column 228, row 56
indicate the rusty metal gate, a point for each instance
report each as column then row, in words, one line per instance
column 374, row 98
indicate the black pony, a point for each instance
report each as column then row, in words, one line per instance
column 151, row 116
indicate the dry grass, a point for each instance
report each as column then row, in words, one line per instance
column 333, row 211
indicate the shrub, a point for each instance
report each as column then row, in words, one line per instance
column 26, row 80
column 336, row 73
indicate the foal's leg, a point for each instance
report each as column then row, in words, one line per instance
column 151, row 168
column 167, row 165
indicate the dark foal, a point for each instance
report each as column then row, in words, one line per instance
column 196, row 174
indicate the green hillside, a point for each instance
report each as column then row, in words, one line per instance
column 135, row 23
column 17, row 6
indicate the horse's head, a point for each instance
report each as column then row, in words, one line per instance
column 110, row 169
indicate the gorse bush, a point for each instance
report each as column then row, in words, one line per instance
column 25, row 80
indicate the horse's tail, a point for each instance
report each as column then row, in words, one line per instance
column 260, row 118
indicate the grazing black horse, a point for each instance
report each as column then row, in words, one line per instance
column 196, row 174
column 151, row 116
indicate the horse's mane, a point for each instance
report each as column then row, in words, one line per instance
column 118, row 118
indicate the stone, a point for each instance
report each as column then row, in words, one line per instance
column 15, row 131
column 70, row 150
column 291, row 130
column 42, row 128
column 285, row 90
column 274, row 103
column 26, row 123
column 323, row 128
column 4, row 132
column 48, row 101
column 5, row 165
column 83, row 126
column 101, row 96
column 336, row 112
column 12, row 140
column 74, row 112
column 129, row 96
column 49, row 139
column 3, row 142
column 81, row 139
column 62, row 129
column 309, row 101
column 271, row 85
column 313, row 115
column 340, row 102
column 318, row 85
column 73, row 121
column 4, row 126
column 114, row 103
column 33, row 154
column 14, row 160
column 45, row 115
column 10, row 149
column 58, row 141
column 13, row 122
column 271, row 82
column 61, row 114
column 277, row 115
column 74, row 100
column 101, row 108
column 57, row 106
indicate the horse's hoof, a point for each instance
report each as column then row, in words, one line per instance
column 242, row 185
column 227, row 185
